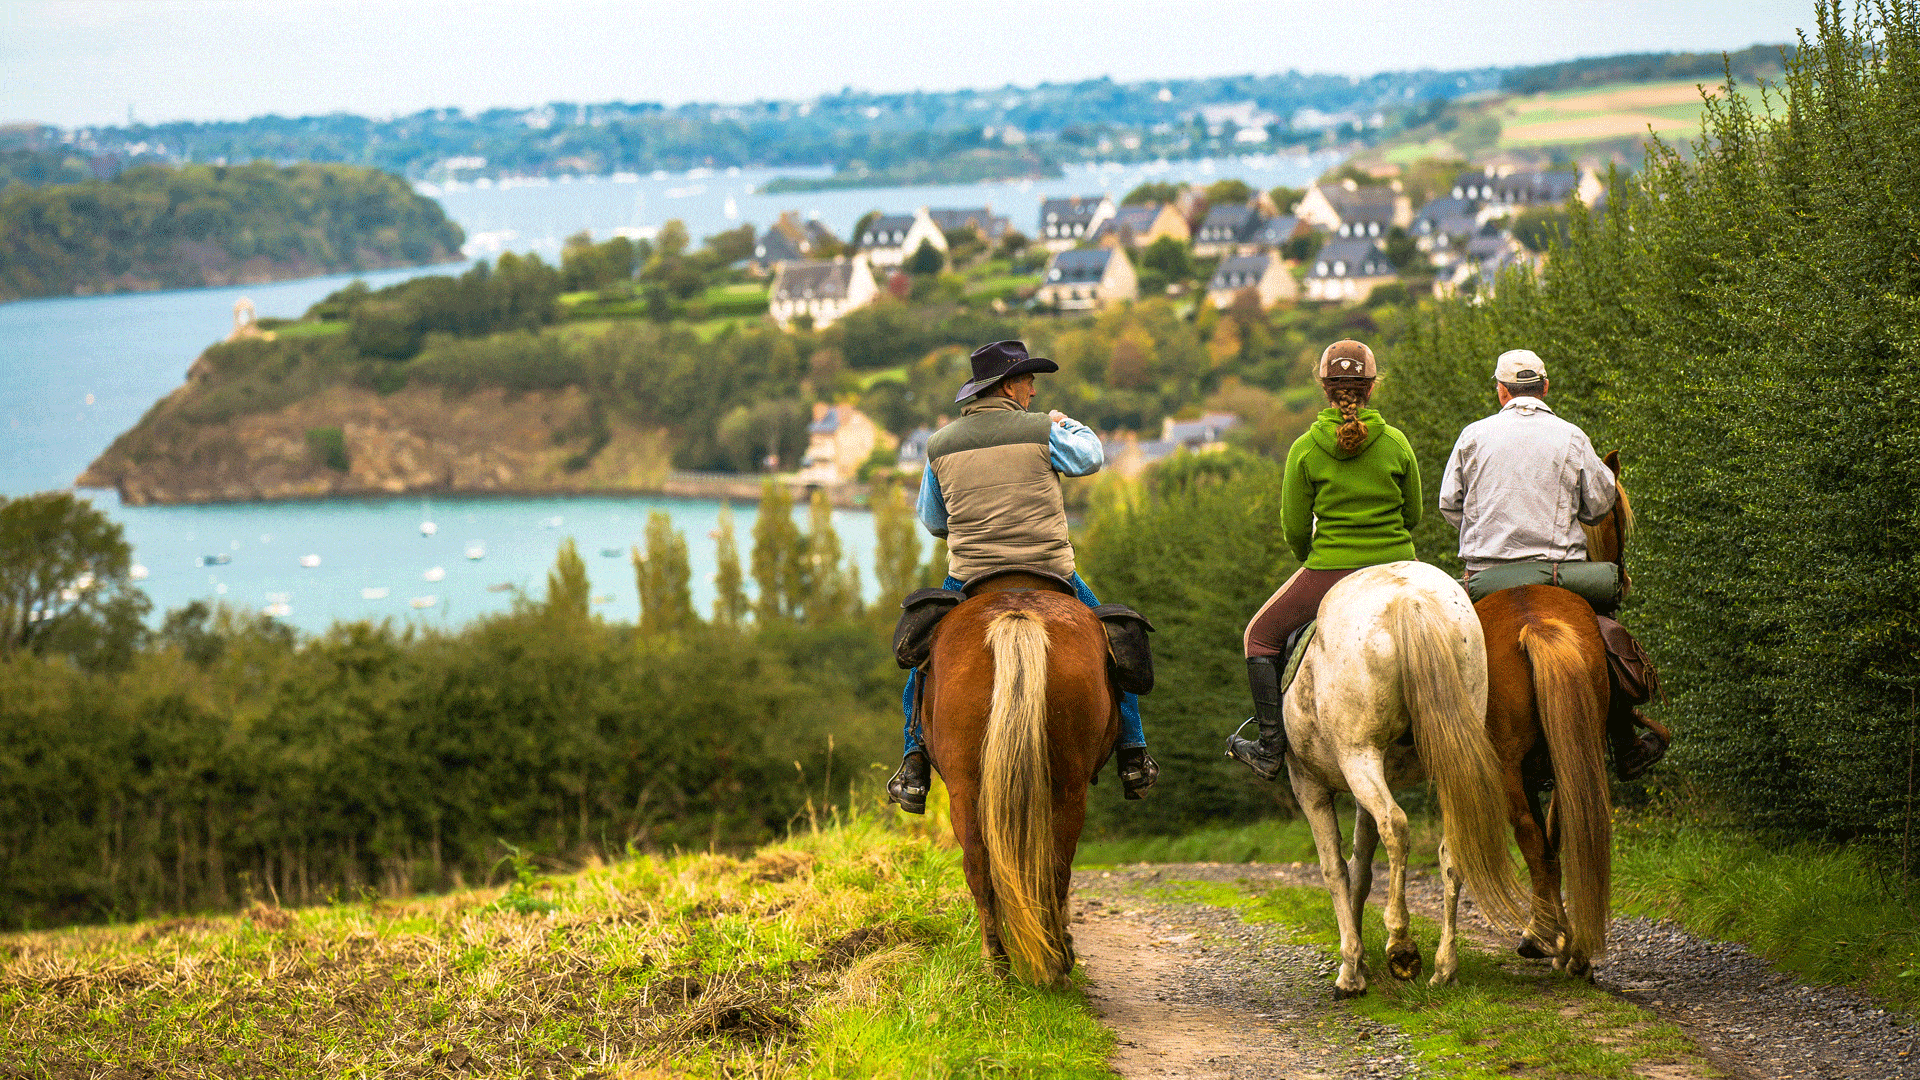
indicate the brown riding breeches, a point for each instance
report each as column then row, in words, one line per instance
column 1292, row 606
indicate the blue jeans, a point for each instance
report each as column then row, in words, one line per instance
column 1131, row 732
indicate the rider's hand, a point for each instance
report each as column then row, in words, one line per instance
column 1056, row 415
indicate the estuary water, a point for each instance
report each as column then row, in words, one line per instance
column 75, row 372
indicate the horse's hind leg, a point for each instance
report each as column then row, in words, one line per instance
column 1446, row 957
column 1369, row 785
column 1366, row 838
column 1543, row 936
column 1316, row 802
column 973, row 862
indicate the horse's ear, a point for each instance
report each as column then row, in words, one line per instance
column 1613, row 461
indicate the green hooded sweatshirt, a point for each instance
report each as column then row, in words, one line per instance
column 1342, row 511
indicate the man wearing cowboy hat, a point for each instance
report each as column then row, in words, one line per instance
column 992, row 489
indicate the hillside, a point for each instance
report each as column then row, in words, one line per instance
column 155, row 227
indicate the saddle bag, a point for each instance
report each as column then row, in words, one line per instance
column 1129, row 657
column 1632, row 669
column 1598, row 583
column 920, row 612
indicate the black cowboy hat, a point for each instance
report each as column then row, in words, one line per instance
column 1000, row 360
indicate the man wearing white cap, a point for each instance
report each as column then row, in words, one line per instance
column 1518, row 486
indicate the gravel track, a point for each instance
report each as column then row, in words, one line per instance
column 1194, row 992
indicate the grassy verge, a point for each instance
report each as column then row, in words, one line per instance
column 851, row 952
column 1277, row 841
column 1502, row 1017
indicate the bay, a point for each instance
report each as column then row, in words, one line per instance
column 77, row 371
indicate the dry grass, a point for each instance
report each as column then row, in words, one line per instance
column 701, row 965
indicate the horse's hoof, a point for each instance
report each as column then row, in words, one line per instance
column 1404, row 966
column 1531, row 949
column 1441, row 978
column 1580, row 969
column 1343, row 993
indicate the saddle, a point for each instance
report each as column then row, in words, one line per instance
column 1129, row 657
column 1015, row 578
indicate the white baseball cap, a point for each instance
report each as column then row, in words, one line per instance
column 1519, row 367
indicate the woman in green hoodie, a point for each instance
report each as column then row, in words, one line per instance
column 1349, row 500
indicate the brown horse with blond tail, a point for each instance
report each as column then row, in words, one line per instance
column 1546, row 717
column 1020, row 715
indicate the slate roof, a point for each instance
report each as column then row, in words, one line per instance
column 1239, row 272
column 1136, row 219
column 1363, row 204
column 1066, row 211
column 775, row 246
column 813, row 281
column 1207, row 429
column 1227, row 224
column 1348, row 258
column 1274, row 232
column 1518, row 189
column 828, row 423
column 1084, row 266
column 974, row 217
column 888, row 230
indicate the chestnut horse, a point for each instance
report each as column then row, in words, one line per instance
column 1019, row 717
column 1546, row 716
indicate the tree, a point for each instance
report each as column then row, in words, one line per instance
column 64, row 570
column 1286, row 198
column 569, row 592
column 1152, row 193
column 897, row 537
column 1541, row 227
column 731, row 246
column 777, row 548
column 926, row 259
column 1228, row 192
column 672, row 240
column 830, row 594
column 730, row 598
column 1169, row 258
column 663, row 574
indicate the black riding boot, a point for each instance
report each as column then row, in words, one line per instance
column 1137, row 770
column 909, row 786
column 1266, row 756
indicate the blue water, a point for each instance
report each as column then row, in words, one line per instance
column 76, row 372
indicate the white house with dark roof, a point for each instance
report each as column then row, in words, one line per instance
column 1349, row 210
column 891, row 239
column 1127, row 454
column 1348, row 269
column 1499, row 191
column 789, row 239
column 1275, row 233
column 1139, row 226
column 1225, row 230
column 1067, row 221
column 1088, row 278
column 981, row 219
column 1443, row 227
column 823, row 291
column 839, row 441
column 1265, row 275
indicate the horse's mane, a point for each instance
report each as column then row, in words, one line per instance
column 1623, row 515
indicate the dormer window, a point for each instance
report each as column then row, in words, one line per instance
column 1340, row 268
column 1320, row 268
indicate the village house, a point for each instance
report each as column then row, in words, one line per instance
column 891, row 239
column 1348, row 210
column 1265, row 276
column 1136, row 227
column 821, row 291
column 1067, row 221
column 1502, row 190
column 1225, row 231
column 1127, row 454
column 839, row 441
column 1348, row 269
column 1087, row 279
column 789, row 239
column 913, row 450
column 980, row 219
column 1443, row 227
column 1277, row 232
column 1478, row 269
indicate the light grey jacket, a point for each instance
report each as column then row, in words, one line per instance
column 1519, row 484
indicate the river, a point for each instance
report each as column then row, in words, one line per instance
column 75, row 372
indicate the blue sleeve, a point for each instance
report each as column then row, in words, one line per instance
column 933, row 507
column 1076, row 449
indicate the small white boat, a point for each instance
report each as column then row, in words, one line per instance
column 421, row 603
column 428, row 528
column 550, row 523
column 277, row 611
column 476, row 551
column 611, row 552
column 137, row 572
column 438, row 573
column 500, row 586
column 309, row 561
column 603, row 599
column 374, row 592
column 221, row 559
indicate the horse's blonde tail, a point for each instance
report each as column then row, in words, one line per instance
column 1582, row 805
column 1451, row 737
column 1016, row 801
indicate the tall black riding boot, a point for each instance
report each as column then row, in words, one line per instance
column 1266, row 756
column 909, row 785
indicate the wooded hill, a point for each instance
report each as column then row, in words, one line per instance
column 155, row 227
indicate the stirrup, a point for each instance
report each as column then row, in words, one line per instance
column 910, row 798
column 1248, row 752
column 1135, row 782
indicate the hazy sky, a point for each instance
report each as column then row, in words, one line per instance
column 72, row 63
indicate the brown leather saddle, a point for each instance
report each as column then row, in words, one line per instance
column 1016, row 578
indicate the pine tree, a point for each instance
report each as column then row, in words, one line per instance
column 829, row 595
column 730, row 596
column 897, row 535
column 568, row 590
column 666, row 597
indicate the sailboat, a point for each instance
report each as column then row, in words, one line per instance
column 427, row 527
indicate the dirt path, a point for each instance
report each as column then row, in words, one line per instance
column 1194, row 992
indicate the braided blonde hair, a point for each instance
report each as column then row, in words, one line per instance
column 1348, row 395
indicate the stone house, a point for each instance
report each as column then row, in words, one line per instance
column 1127, row 454
column 1347, row 270
column 984, row 223
column 1348, row 210
column 1266, row 275
column 823, row 291
column 891, row 239
column 1226, row 230
column 1087, row 279
column 1067, row 221
column 839, row 441
column 789, row 239
column 1136, row 227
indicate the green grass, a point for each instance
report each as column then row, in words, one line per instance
column 1501, row 1017
column 309, row 328
column 1826, row 913
column 847, row 953
column 1271, row 841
